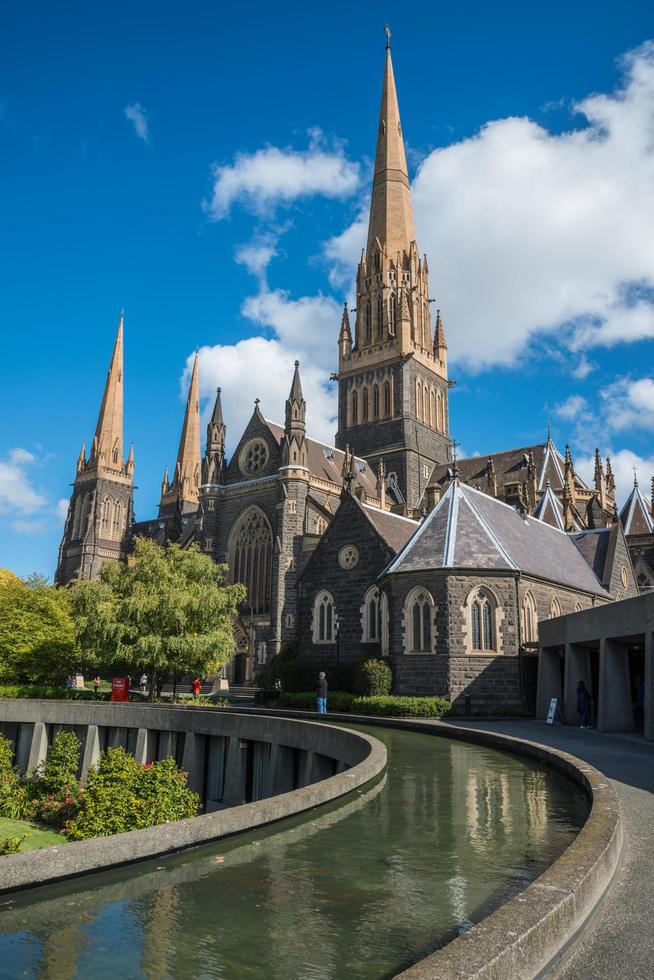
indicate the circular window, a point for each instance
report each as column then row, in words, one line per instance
column 254, row 457
column 624, row 577
column 348, row 556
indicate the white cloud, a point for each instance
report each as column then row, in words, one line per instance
column 272, row 176
column 344, row 251
column 61, row 509
column 28, row 527
column 17, row 492
column 571, row 407
column 529, row 231
column 629, row 404
column 138, row 116
column 623, row 462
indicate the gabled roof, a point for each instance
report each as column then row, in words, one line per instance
column 394, row 529
column 550, row 510
column 510, row 468
column 326, row 463
column 469, row 529
column 594, row 546
column 636, row 516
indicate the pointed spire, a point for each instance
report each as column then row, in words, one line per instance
column 81, row 459
column 610, row 479
column 439, row 332
column 214, row 455
column 187, row 469
column 391, row 210
column 600, row 480
column 164, row 482
column 294, row 449
column 108, row 439
column 345, row 336
column 217, row 414
column 296, row 387
column 130, row 460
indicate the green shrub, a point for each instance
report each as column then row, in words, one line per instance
column 306, row 701
column 390, row 706
column 122, row 795
column 12, row 845
column 402, row 707
column 373, row 677
column 47, row 692
column 10, row 787
column 54, row 786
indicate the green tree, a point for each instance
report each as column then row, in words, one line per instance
column 167, row 612
column 37, row 634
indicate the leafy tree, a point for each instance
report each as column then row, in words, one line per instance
column 167, row 612
column 37, row 634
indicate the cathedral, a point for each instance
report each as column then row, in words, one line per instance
column 383, row 544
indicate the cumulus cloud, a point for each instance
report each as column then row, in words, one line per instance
column 138, row 116
column 530, row 232
column 629, row 404
column 571, row 407
column 17, row 492
column 274, row 176
column 61, row 509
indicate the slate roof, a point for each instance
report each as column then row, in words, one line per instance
column 594, row 546
column 326, row 462
column 510, row 467
column 549, row 509
column 394, row 529
column 636, row 516
column 469, row 529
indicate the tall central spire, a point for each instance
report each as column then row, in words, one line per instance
column 391, row 210
column 108, row 442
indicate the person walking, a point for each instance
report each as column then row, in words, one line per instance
column 144, row 683
column 583, row 704
column 96, row 683
column 196, row 687
column 323, row 690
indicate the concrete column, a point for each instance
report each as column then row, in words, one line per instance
column 91, row 750
column 39, row 746
column 577, row 668
column 549, row 679
column 272, row 766
column 649, row 686
column 234, row 792
column 614, row 708
column 193, row 761
column 143, row 750
column 306, row 769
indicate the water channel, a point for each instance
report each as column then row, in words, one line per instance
column 358, row 888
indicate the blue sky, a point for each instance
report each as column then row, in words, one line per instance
column 208, row 172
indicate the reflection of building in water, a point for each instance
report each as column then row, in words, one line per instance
column 159, row 923
column 488, row 808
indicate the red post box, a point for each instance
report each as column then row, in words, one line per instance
column 120, row 688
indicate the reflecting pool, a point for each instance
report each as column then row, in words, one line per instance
column 360, row 888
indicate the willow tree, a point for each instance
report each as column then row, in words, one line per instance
column 167, row 612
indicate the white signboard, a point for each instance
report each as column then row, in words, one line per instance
column 551, row 714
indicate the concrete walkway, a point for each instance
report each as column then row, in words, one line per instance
column 619, row 940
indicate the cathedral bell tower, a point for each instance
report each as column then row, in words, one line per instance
column 100, row 513
column 392, row 371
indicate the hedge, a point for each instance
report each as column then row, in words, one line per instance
column 49, row 693
column 388, row 706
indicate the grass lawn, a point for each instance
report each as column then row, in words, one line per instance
column 37, row 835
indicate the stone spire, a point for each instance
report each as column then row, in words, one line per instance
column 294, row 450
column 214, row 456
column 345, row 336
column 440, row 343
column 107, row 448
column 600, row 480
column 391, row 211
column 186, row 480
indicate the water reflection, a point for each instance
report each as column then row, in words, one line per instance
column 358, row 890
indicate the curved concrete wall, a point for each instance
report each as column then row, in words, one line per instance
column 260, row 769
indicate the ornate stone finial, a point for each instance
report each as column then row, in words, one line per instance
column 455, row 465
column 635, row 476
column 387, row 32
column 549, row 429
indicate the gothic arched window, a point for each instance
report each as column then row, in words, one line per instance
column 371, row 615
column 364, row 399
column 418, row 621
column 383, row 624
column 482, row 621
column 375, row 401
column 425, row 409
column 392, row 313
column 440, row 425
column 105, row 516
column 555, row 608
column 418, row 400
column 387, row 399
column 368, row 323
column 355, row 407
column 117, row 522
column 529, row 619
column 250, row 559
column 432, row 408
column 324, row 618
column 380, row 314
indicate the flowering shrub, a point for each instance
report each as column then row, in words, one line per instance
column 11, row 845
column 54, row 786
column 122, row 795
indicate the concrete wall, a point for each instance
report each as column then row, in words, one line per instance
column 299, row 765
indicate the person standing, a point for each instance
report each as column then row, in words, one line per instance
column 323, row 690
column 96, row 684
column 583, row 704
column 144, row 683
column 196, row 687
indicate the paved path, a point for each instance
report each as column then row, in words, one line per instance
column 619, row 940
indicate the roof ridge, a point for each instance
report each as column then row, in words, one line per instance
column 491, row 534
column 389, row 513
column 421, row 527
